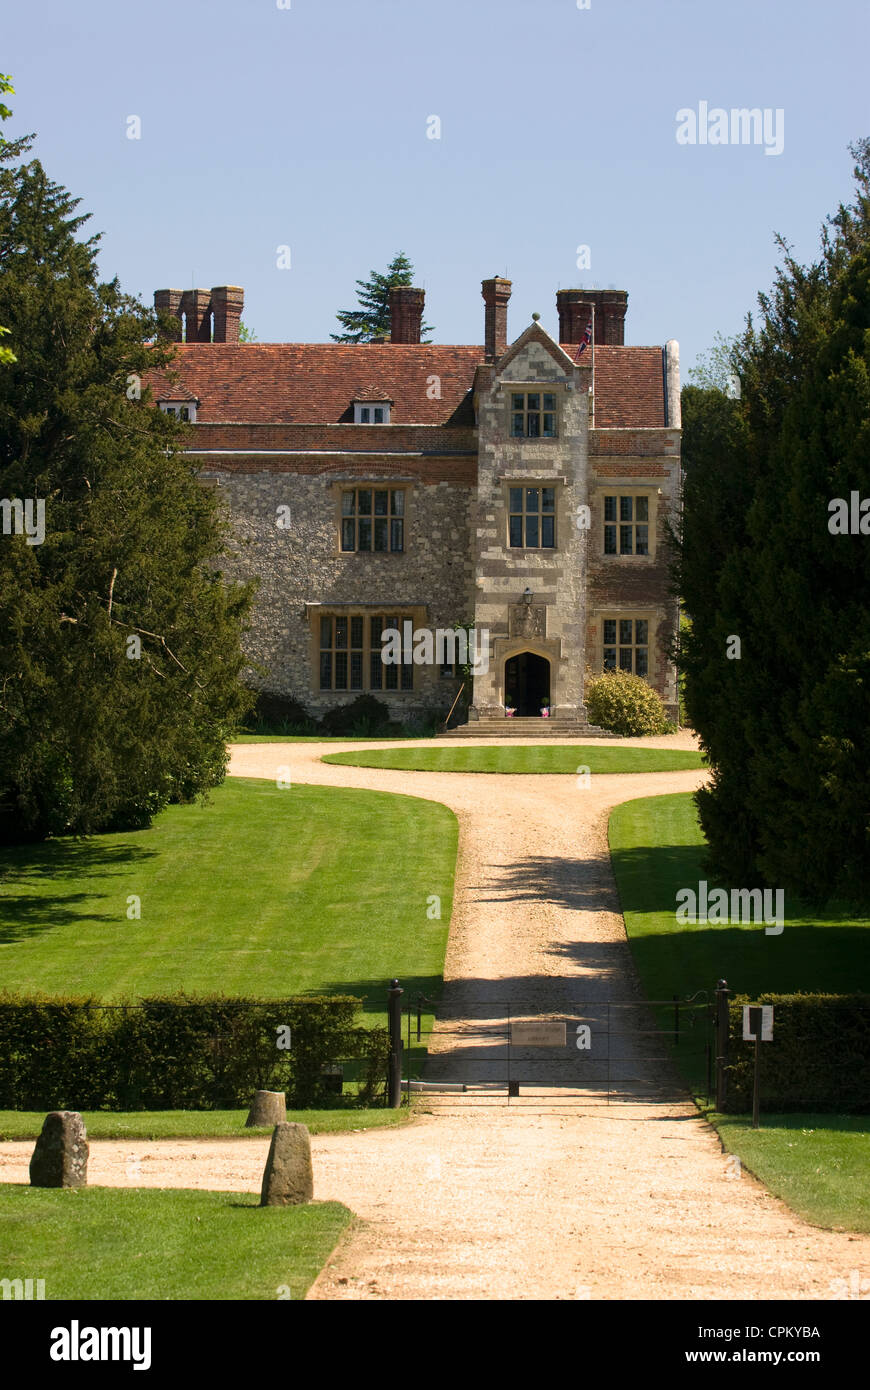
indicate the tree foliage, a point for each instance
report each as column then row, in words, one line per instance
column 715, row 369
column 6, row 354
column 787, row 725
column 119, row 638
column 372, row 318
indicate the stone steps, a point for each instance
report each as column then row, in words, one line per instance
column 526, row 728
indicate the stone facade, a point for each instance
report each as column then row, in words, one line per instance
column 303, row 574
column 574, row 587
column 556, row 577
column 278, row 434
column 635, row 587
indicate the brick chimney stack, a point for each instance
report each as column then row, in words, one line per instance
column 169, row 302
column 227, row 303
column 406, row 314
column 614, row 305
column 575, row 311
column 196, row 307
column 496, row 293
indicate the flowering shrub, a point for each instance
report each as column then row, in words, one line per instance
column 625, row 704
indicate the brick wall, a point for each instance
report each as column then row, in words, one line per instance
column 369, row 439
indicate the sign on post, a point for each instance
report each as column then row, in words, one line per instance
column 750, row 1024
column 757, row 1028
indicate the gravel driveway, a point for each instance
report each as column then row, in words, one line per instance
column 626, row 1201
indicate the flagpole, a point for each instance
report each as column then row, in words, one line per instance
column 588, row 336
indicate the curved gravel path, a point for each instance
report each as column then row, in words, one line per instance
column 488, row 1202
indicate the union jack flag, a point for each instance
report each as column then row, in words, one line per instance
column 587, row 339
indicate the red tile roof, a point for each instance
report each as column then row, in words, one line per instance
column 316, row 383
column 629, row 387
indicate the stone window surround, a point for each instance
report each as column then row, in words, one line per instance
column 538, row 483
column 503, row 394
column 619, row 488
column 539, row 389
column 651, row 615
column 397, row 485
column 417, row 613
column 529, row 478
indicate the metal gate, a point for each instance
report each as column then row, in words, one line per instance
column 583, row 1050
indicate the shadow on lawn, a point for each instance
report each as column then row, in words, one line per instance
column 808, row 957
column 23, row 915
column 68, row 858
column 816, row 951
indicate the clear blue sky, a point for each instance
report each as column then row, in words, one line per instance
column 307, row 127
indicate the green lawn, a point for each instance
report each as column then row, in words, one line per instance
column 263, row 892
column 196, row 1124
column 546, row 757
column 656, row 848
column 817, row 1164
column 132, row 1243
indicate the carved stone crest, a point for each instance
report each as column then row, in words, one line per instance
column 527, row 620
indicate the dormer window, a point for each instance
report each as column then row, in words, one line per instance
column 371, row 412
column 182, row 410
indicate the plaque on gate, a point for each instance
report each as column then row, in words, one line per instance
column 539, row 1035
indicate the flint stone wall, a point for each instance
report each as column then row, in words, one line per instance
column 303, row 565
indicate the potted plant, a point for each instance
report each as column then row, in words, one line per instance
column 545, row 709
column 509, row 708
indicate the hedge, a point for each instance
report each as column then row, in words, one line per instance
column 181, row 1052
column 818, row 1059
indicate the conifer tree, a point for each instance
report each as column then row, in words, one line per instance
column 372, row 318
column 786, row 725
column 119, row 637
column 6, row 353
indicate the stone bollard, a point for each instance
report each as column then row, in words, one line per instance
column 60, row 1158
column 269, row 1108
column 288, row 1179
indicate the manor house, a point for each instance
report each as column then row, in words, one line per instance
column 522, row 487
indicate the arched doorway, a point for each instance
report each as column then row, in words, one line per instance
column 527, row 683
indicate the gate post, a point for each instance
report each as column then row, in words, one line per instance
column 722, row 1031
column 394, row 1073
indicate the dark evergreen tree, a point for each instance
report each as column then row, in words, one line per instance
column 6, row 353
column 119, row 637
column 812, row 735
column 786, row 725
column 372, row 318
column 717, row 492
